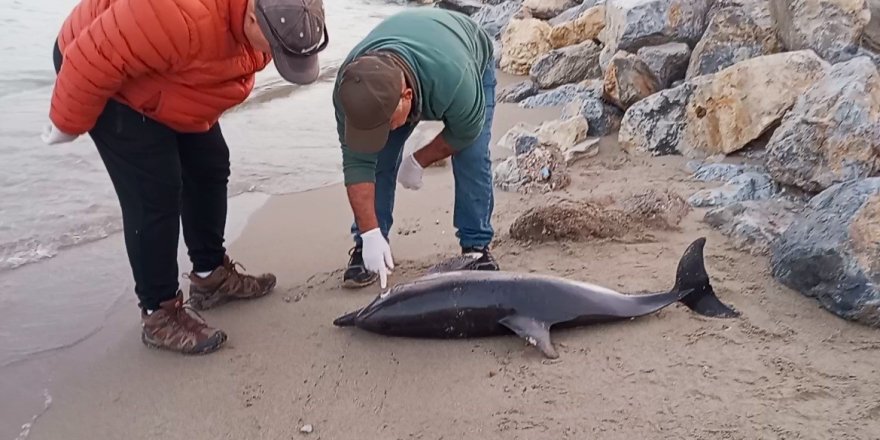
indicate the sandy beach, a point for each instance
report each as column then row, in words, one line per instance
column 785, row 369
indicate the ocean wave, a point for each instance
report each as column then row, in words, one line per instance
column 33, row 249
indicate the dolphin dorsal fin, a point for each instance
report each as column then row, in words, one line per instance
column 533, row 331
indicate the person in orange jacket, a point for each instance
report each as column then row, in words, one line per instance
column 148, row 81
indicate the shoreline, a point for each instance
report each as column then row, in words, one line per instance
column 671, row 373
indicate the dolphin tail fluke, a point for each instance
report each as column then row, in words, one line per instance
column 691, row 275
column 346, row 320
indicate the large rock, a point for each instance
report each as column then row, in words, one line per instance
column 567, row 65
column 518, row 91
column 721, row 172
column 753, row 226
column 574, row 12
column 633, row 24
column 832, row 134
column 872, row 31
column 628, row 80
column 520, row 139
column 560, row 133
column 522, row 42
column 654, row 125
column 746, row 186
column 582, row 28
column 831, row 28
column 832, row 253
column 668, row 62
column 735, row 106
column 565, row 132
column 564, row 94
column 738, row 30
column 547, row 9
column 494, row 18
column 602, row 117
column 467, row 7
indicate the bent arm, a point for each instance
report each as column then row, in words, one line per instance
column 130, row 39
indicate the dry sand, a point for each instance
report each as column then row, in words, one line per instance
column 785, row 369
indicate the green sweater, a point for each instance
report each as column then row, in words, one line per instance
column 447, row 52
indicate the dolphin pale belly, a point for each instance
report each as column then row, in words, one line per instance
column 469, row 304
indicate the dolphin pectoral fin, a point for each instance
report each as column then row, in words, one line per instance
column 533, row 331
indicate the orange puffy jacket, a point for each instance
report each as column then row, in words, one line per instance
column 181, row 62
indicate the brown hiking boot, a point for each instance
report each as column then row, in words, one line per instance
column 226, row 284
column 176, row 327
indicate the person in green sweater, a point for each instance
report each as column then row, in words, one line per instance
column 422, row 64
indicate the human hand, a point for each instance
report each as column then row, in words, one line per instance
column 52, row 135
column 377, row 254
column 410, row 173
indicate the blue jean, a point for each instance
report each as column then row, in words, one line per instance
column 471, row 167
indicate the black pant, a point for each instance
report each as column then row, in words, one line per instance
column 161, row 177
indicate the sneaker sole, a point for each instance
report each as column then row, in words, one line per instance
column 354, row 284
column 213, row 344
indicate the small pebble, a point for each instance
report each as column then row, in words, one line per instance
column 306, row 429
column 287, row 299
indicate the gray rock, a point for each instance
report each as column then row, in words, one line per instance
column 547, row 9
column 831, row 28
column 520, row 139
column 668, row 62
column 655, row 124
column 467, row 7
column 753, row 226
column 830, row 253
column 494, row 18
column 518, row 91
column 540, row 170
column 721, row 172
column 605, row 58
column 567, row 65
column 745, row 186
column 573, row 12
column 563, row 95
column 832, row 134
column 738, row 30
column 633, row 24
column 602, row 117
column 628, row 80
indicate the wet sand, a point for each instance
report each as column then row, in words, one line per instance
column 784, row 369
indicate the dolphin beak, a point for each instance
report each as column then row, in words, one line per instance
column 346, row 320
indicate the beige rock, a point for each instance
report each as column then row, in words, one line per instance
column 628, row 80
column 564, row 132
column 523, row 41
column 546, row 9
column 737, row 105
column 585, row 27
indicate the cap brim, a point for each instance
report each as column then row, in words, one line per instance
column 296, row 69
column 366, row 141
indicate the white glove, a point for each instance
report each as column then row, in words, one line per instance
column 410, row 173
column 377, row 254
column 52, row 135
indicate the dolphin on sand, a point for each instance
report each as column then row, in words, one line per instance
column 470, row 303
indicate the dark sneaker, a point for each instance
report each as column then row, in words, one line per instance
column 226, row 283
column 486, row 260
column 176, row 327
column 356, row 275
